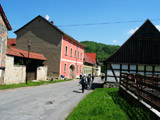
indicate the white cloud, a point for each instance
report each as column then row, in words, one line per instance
column 115, row 41
column 158, row 27
column 132, row 30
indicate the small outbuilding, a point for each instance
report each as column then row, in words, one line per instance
column 91, row 66
column 20, row 66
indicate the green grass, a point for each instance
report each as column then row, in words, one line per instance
column 106, row 104
column 30, row 83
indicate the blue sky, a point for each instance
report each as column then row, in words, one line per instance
column 70, row 12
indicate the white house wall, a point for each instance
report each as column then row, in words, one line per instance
column 14, row 73
column 42, row 73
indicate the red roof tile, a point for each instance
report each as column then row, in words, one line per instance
column 90, row 58
column 5, row 18
column 22, row 53
column 11, row 42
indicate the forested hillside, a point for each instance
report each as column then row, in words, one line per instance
column 103, row 50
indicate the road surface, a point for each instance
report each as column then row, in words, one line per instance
column 46, row 102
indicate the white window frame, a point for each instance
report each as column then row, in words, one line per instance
column 65, row 67
column 71, row 52
column 81, row 55
column 66, row 50
column 77, row 68
column 75, row 53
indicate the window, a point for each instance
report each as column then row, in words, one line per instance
column 78, row 54
column 65, row 66
column 66, row 50
column 77, row 68
column 75, row 54
column 81, row 55
column 80, row 69
column 71, row 52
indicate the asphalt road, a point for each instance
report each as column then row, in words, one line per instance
column 46, row 102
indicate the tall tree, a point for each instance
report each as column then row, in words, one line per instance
column 103, row 50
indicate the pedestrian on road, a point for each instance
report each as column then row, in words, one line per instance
column 103, row 76
column 92, row 77
column 82, row 82
column 80, row 76
column 89, row 80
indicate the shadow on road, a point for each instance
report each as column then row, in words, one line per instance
column 96, row 85
column 76, row 91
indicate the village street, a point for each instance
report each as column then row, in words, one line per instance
column 46, row 102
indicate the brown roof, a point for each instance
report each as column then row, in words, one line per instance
column 66, row 35
column 5, row 18
column 24, row 54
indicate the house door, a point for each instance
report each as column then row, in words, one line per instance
column 32, row 72
column 72, row 72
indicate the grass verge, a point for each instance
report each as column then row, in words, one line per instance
column 30, row 83
column 106, row 104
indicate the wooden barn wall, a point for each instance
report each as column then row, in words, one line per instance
column 144, row 51
column 141, row 48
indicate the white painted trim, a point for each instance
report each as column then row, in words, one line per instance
column 71, row 61
column 144, row 103
column 61, row 55
column 72, row 64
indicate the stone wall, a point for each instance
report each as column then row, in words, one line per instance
column 42, row 73
column 3, row 41
column 3, row 46
column 14, row 73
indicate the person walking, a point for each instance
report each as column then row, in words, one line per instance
column 89, row 80
column 103, row 76
column 92, row 77
column 80, row 76
column 82, row 82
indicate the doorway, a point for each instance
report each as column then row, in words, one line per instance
column 72, row 72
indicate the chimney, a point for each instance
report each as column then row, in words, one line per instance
column 52, row 22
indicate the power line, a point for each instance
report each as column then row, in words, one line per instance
column 91, row 24
column 118, row 22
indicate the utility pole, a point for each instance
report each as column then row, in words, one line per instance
column 27, row 63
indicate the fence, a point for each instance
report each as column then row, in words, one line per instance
column 145, row 87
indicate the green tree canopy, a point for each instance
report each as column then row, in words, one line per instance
column 103, row 50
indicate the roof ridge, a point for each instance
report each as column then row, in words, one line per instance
column 52, row 26
column 147, row 21
column 5, row 18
